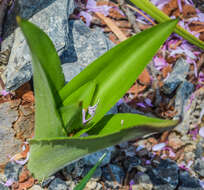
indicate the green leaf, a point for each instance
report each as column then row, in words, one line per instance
column 85, row 180
column 42, row 47
column 116, row 71
column 72, row 117
column 48, row 155
column 160, row 17
column 84, row 94
column 47, row 119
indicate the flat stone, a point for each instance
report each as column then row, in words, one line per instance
column 12, row 170
column 2, row 187
column 162, row 179
column 92, row 159
column 117, row 172
column 9, row 145
column 186, row 182
column 36, row 187
column 199, row 167
column 57, row 184
column 176, row 77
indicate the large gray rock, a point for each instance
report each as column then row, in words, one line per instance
column 75, row 43
column 9, row 145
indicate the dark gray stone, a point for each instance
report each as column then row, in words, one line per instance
column 57, row 184
column 92, row 159
column 165, row 176
column 12, row 170
column 183, row 93
column 131, row 162
column 2, row 187
column 199, row 167
column 199, row 149
column 117, row 172
column 199, row 4
column 47, row 181
column 186, row 182
column 97, row 174
column 176, row 77
column 142, row 178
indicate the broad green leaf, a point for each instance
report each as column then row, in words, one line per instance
column 48, row 155
column 72, row 117
column 42, row 47
column 47, row 119
column 160, row 17
column 84, row 94
column 85, row 180
column 116, row 70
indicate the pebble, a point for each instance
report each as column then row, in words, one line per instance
column 57, row 184
column 117, row 172
column 142, row 181
column 131, row 162
column 199, row 167
column 175, row 141
column 93, row 185
column 12, row 170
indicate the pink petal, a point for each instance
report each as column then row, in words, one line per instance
column 171, row 152
column 179, row 5
column 4, row 93
column 194, row 133
column 201, row 132
column 23, row 162
column 87, row 17
column 9, row 182
column 148, row 102
column 159, row 63
column 158, row 147
column 141, row 105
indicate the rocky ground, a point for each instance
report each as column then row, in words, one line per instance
column 171, row 86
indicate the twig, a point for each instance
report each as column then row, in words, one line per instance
column 141, row 13
column 130, row 16
column 115, row 29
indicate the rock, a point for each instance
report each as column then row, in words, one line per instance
column 131, row 162
column 114, row 170
column 186, row 182
column 142, row 181
column 199, row 167
column 76, row 44
column 24, row 126
column 176, row 77
column 199, row 149
column 47, row 181
column 36, row 187
column 2, row 187
column 97, row 174
column 9, row 145
column 93, row 185
column 174, row 141
column 57, row 184
column 192, row 106
column 182, row 95
column 199, row 4
column 92, row 159
column 162, row 179
column 12, row 171
column 71, row 184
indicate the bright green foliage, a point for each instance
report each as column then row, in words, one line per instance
column 102, row 83
column 161, row 17
column 84, row 181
